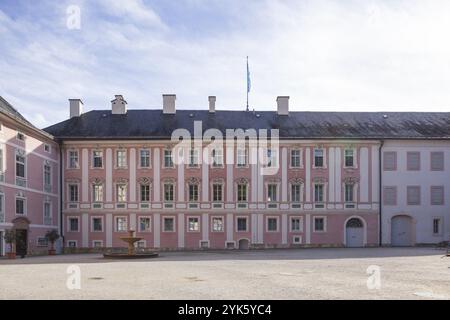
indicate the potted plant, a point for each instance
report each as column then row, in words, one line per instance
column 10, row 238
column 52, row 236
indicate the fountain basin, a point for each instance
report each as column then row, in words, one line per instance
column 130, row 256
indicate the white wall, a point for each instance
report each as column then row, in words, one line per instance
column 424, row 213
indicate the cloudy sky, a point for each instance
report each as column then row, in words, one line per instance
column 326, row 55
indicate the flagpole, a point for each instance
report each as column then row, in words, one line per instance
column 247, row 82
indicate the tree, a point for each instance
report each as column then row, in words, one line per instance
column 52, row 236
column 10, row 238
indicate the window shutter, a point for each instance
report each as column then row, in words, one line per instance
column 390, row 196
column 413, row 161
column 413, row 195
column 437, row 195
column 437, row 161
column 390, row 161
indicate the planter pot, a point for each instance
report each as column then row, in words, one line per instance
column 11, row 255
column 51, row 252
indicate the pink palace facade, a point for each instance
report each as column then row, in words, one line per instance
column 320, row 182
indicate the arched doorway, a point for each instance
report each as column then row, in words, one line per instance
column 354, row 233
column 244, row 244
column 21, row 226
column 401, row 231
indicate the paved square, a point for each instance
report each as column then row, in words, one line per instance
column 405, row 273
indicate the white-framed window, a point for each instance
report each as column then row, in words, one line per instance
column 47, row 148
column 71, row 243
column 296, row 224
column 242, row 157
column 193, row 158
column 97, row 192
column 412, row 161
column 21, row 206
column 296, row 192
column 318, row 192
column 272, row 158
column 272, row 192
column 73, row 224
column 241, row 224
column 193, row 224
column 73, row 162
column 145, row 224
column 437, row 161
column 349, row 188
column 20, row 166
column 389, row 161
column 168, row 161
column 217, row 224
column 47, row 213
column 97, row 161
column 47, row 176
column 319, row 158
column 169, row 192
column 121, row 224
column 1, row 159
column 272, row 224
column 42, row 242
column 413, row 195
column 349, row 158
column 20, row 136
column 390, row 195
column 437, row 195
column 242, row 192
column 145, row 192
column 97, row 243
column 168, row 224
column 144, row 161
column 121, row 192
column 320, row 224
column 73, row 192
column 217, row 157
column 217, row 192
column 193, row 192
column 296, row 160
column 121, row 158
column 97, row 224
column 437, row 226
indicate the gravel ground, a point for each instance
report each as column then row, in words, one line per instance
column 405, row 273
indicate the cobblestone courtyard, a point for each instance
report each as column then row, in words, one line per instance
column 404, row 273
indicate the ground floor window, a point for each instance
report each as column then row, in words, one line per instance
column 319, row 224
column 42, row 242
column 296, row 224
column 97, row 224
column 169, row 224
column 272, row 224
column 193, row 224
column 121, row 224
column 72, row 244
column 217, row 224
column 97, row 244
column 73, row 225
column 144, row 224
column 241, row 224
column 436, row 226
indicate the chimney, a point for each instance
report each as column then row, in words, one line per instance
column 119, row 105
column 212, row 104
column 283, row 105
column 169, row 103
column 76, row 107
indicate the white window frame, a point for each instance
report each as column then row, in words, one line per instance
column 125, row 190
column 69, row 225
column 97, row 241
column 102, row 224
column 272, row 158
column 246, row 192
column 68, row 242
column 246, row 223
column 24, row 156
column 116, row 225
column 69, row 194
column 324, row 224
column 189, row 192
column 2, row 208
column 149, row 158
column 149, row 193
column 102, row 159
column 122, row 159
column 291, row 229
column 150, row 224
column 217, row 158
column 277, row 187
column 324, row 163
column 223, row 223
column 188, row 226
column 49, row 185
column 300, row 185
column 38, row 244
column 441, row 223
column 165, row 156
column 353, row 194
column 354, row 156
column 24, row 199
column 46, row 202
column 277, row 222
column 300, row 158
column 323, row 192
column 164, row 224
column 240, row 157
column 47, row 146
column 164, row 192
column 194, row 158
column 20, row 135
column 77, row 163
column 93, row 193
column 214, row 193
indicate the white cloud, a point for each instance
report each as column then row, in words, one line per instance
column 327, row 55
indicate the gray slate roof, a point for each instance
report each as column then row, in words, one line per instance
column 7, row 108
column 153, row 124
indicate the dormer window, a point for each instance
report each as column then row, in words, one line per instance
column 20, row 136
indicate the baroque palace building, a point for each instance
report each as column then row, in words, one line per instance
column 295, row 179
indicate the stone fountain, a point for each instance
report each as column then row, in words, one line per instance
column 131, row 254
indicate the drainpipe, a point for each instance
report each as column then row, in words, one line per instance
column 380, row 196
column 61, row 218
